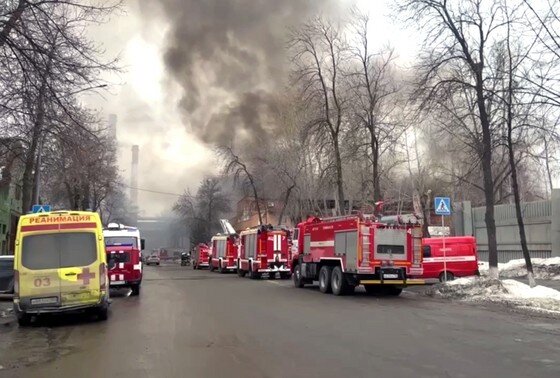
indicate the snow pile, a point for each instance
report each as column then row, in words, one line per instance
column 544, row 269
column 468, row 288
column 508, row 292
column 5, row 313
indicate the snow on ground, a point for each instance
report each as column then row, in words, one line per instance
column 509, row 292
column 544, row 269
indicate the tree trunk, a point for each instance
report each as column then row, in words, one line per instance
column 37, row 132
column 486, row 157
column 550, row 184
column 425, row 203
column 30, row 159
column 256, row 197
column 286, row 199
column 339, row 183
column 85, row 201
column 513, row 166
column 375, row 161
column 519, row 214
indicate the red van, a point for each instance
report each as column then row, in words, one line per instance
column 460, row 255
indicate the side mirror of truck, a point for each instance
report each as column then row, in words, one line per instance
column 142, row 244
column 111, row 263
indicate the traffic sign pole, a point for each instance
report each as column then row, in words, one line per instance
column 442, row 207
column 444, row 250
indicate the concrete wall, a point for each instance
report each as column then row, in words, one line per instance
column 542, row 226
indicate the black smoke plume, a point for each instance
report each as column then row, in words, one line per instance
column 229, row 57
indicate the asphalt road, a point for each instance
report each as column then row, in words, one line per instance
column 201, row 324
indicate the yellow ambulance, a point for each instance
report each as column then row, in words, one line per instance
column 60, row 265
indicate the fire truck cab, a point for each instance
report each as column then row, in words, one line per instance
column 223, row 253
column 201, row 255
column 124, row 246
column 344, row 252
column 264, row 249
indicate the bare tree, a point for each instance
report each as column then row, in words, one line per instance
column 319, row 51
column 375, row 101
column 47, row 60
column 202, row 212
column 234, row 165
column 456, row 59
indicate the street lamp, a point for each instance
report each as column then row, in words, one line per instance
column 37, row 175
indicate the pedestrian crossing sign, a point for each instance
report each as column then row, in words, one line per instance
column 41, row 209
column 442, row 205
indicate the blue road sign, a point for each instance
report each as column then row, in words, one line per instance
column 41, row 208
column 442, row 205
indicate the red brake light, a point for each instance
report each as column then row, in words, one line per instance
column 102, row 276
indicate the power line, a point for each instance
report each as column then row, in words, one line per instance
column 158, row 192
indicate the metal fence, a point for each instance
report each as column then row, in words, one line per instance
column 505, row 256
column 542, row 228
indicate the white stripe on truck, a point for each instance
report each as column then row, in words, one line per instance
column 449, row 259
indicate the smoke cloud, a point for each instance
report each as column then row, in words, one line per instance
column 229, row 57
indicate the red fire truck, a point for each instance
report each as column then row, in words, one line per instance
column 201, row 256
column 123, row 246
column 264, row 249
column 223, row 253
column 344, row 252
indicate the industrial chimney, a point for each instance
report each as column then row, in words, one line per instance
column 134, row 181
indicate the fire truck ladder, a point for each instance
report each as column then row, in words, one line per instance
column 366, row 246
column 227, row 227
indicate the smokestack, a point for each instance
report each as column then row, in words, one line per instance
column 112, row 127
column 134, row 180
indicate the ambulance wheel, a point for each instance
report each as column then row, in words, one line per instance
column 450, row 276
column 24, row 320
column 339, row 284
column 325, row 279
column 285, row 275
column 135, row 290
column 298, row 279
column 103, row 313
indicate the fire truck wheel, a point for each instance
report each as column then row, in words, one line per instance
column 135, row 290
column 325, row 279
column 240, row 272
column 252, row 274
column 272, row 275
column 338, row 282
column 393, row 291
column 373, row 289
column 298, row 279
column 450, row 276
